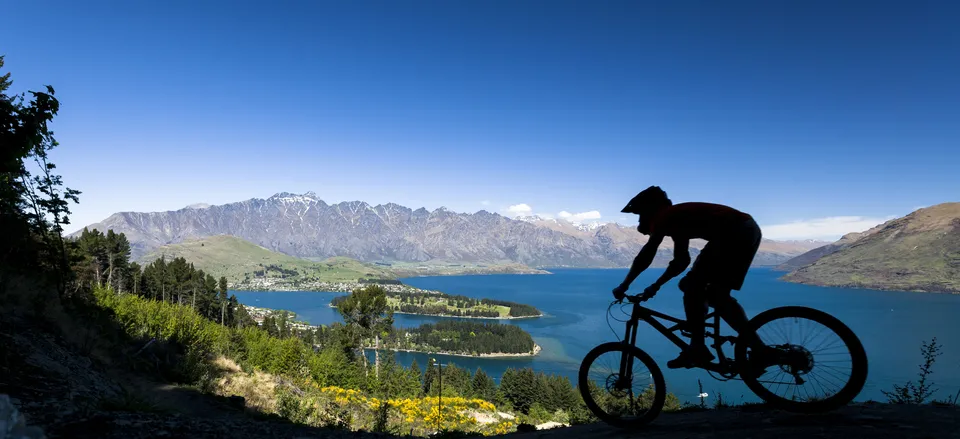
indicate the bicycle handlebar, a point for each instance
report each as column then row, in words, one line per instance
column 633, row 298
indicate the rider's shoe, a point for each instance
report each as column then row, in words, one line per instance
column 691, row 357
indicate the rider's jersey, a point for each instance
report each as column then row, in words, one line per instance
column 695, row 220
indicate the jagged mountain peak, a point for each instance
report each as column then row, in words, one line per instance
column 305, row 226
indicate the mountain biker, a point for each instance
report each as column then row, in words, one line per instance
column 733, row 238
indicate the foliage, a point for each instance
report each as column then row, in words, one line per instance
column 34, row 205
column 420, row 415
column 434, row 303
column 917, row 394
column 463, row 337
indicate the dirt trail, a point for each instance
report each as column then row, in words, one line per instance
column 861, row 421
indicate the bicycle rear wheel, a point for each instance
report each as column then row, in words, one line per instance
column 622, row 401
column 816, row 363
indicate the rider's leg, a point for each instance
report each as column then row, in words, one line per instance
column 695, row 306
column 735, row 316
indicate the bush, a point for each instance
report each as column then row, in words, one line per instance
column 917, row 394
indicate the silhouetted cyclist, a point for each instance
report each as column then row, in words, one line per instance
column 733, row 238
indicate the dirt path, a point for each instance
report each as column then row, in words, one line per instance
column 863, row 421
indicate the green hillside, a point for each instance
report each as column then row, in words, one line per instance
column 239, row 261
column 919, row 252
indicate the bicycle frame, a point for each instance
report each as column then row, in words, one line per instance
column 723, row 366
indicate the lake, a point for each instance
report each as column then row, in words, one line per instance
column 892, row 325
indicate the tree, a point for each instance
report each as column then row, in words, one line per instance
column 34, row 206
column 483, row 386
column 416, row 374
column 521, row 388
column 118, row 255
column 366, row 309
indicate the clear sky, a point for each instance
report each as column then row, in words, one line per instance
column 817, row 117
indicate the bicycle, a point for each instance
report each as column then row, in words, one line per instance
column 615, row 394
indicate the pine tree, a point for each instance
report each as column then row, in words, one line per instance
column 483, row 386
column 366, row 310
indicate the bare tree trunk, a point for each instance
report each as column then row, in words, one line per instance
column 376, row 354
column 223, row 310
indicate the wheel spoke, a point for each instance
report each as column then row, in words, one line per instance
column 627, row 400
column 810, row 351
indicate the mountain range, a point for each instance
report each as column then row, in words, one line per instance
column 305, row 226
column 917, row 252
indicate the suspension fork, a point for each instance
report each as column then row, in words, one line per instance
column 629, row 339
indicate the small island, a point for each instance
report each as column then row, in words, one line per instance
column 455, row 338
column 435, row 303
column 463, row 338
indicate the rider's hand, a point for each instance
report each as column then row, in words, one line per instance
column 620, row 292
column 649, row 292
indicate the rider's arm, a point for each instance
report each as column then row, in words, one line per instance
column 643, row 259
column 681, row 259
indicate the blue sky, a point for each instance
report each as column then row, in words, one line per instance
column 816, row 117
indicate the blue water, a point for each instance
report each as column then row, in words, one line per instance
column 891, row 325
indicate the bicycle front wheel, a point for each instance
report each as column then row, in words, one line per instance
column 621, row 385
column 820, row 364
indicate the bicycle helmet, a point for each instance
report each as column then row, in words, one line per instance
column 650, row 198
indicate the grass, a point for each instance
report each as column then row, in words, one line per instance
column 237, row 259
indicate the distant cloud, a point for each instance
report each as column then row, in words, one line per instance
column 582, row 216
column 829, row 228
column 485, row 202
column 520, row 209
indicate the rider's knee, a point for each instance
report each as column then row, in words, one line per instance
column 690, row 286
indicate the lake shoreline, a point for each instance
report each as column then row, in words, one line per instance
column 465, row 317
column 536, row 351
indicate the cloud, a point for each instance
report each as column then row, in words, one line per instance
column 485, row 202
column 520, row 209
column 829, row 228
column 582, row 216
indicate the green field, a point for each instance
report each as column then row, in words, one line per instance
column 239, row 260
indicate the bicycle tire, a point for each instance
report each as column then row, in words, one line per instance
column 660, row 391
column 858, row 373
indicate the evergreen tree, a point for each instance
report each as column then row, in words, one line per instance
column 366, row 310
column 416, row 374
column 521, row 388
column 483, row 386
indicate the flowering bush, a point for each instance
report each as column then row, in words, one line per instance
column 417, row 415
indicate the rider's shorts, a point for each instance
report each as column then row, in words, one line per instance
column 723, row 263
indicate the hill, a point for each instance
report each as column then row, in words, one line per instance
column 239, row 260
column 307, row 227
column 918, row 252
